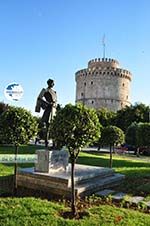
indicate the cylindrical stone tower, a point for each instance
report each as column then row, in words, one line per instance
column 103, row 84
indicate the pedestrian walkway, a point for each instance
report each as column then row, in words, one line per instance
column 119, row 196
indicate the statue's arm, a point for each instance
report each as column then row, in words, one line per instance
column 40, row 101
column 41, row 95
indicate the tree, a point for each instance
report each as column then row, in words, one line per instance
column 106, row 117
column 131, row 134
column 74, row 127
column 3, row 107
column 134, row 113
column 143, row 134
column 143, row 138
column 111, row 135
column 17, row 126
column 138, row 135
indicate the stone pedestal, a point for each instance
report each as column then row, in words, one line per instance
column 48, row 161
column 88, row 180
column 42, row 164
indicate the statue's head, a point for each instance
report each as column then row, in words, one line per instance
column 50, row 82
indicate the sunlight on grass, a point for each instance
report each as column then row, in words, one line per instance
column 6, row 170
column 118, row 161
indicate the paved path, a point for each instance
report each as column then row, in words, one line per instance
column 119, row 196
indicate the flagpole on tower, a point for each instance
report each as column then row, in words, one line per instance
column 104, row 46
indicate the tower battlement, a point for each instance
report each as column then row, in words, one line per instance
column 103, row 62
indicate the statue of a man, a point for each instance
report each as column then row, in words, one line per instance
column 47, row 101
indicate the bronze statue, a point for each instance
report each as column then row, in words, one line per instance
column 47, row 101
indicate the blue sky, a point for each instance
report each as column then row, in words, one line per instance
column 41, row 39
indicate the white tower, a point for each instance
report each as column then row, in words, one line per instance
column 103, row 84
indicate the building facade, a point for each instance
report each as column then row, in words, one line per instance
column 103, row 84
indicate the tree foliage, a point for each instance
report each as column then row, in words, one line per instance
column 17, row 126
column 134, row 113
column 3, row 107
column 112, row 135
column 75, row 127
column 143, row 134
column 131, row 134
column 106, row 117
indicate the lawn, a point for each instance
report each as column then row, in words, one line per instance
column 31, row 211
column 137, row 170
column 23, row 149
column 7, row 169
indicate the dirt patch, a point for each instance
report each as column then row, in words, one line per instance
column 78, row 216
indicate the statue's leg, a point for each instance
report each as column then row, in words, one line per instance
column 45, row 119
column 47, row 135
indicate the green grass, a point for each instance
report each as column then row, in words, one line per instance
column 5, row 170
column 31, row 211
column 118, row 161
column 8, row 169
column 23, row 149
column 136, row 170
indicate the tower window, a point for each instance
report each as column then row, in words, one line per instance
column 85, row 83
column 123, row 84
column 91, row 82
column 92, row 101
column 82, row 94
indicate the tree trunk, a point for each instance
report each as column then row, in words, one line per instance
column 110, row 157
column 138, row 152
column 15, row 170
column 73, row 205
